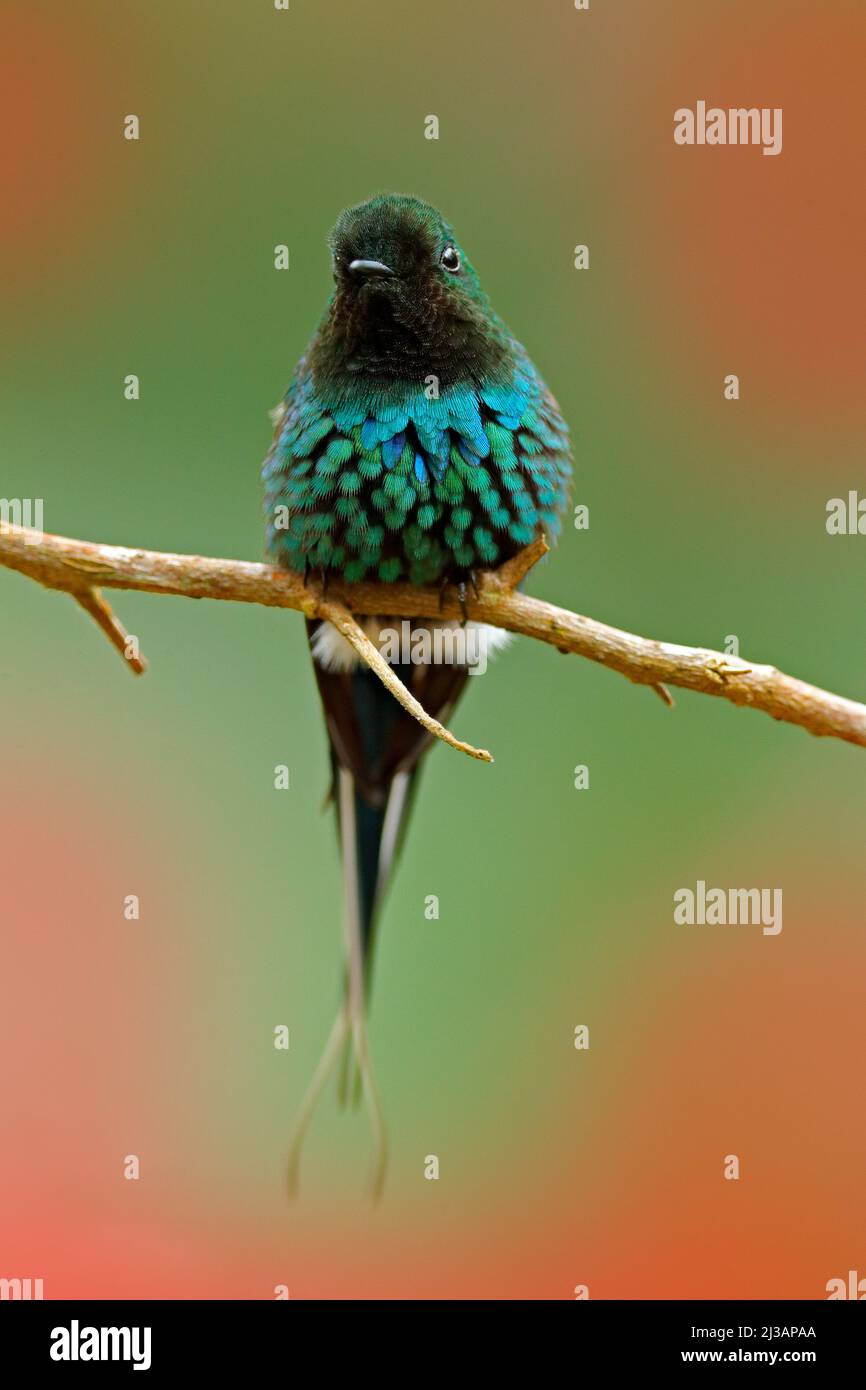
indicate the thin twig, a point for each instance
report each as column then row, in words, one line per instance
column 92, row 602
column 342, row 619
column 62, row 563
column 664, row 694
column 514, row 571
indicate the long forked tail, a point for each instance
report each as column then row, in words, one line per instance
column 375, row 749
column 349, row 1033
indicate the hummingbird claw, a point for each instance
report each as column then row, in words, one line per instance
column 322, row 575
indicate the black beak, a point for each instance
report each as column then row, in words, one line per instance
column 374, row 268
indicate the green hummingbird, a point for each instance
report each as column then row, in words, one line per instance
column 416, row 442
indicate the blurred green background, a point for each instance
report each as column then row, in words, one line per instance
column 706, row 519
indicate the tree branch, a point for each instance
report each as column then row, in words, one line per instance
column 79, row 567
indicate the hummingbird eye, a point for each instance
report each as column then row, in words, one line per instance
column 450, row 259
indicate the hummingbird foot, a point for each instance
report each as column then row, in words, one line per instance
column 319, row 572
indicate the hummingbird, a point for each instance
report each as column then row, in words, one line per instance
column 416, row 442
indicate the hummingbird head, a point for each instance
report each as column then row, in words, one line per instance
column 407, row 303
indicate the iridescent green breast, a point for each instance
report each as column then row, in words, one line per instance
column 424, row 488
